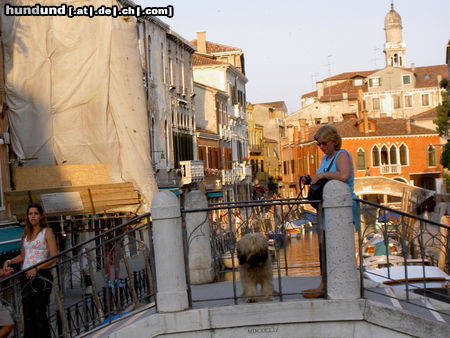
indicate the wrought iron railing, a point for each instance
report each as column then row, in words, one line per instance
column 403, row 250
column 96, row 281
column 229, row 221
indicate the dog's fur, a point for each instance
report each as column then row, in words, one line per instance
column 255, row 266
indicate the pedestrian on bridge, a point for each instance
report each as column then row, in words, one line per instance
column 38, row 244
column 336, row 164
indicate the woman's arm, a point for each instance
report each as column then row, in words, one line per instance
column 52, row 248
column 343, row 173
column 344, row 168
column 18, row 259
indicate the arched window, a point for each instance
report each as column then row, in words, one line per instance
column 375, row 156
column 431, row 152
column 395, row 60
column 393, row 155
column 149, row 57
column 403, row 155
column 384, row 155
column 360, row 159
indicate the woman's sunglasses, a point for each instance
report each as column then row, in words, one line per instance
column 322, row 143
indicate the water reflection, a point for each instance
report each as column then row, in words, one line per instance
column 301, row 253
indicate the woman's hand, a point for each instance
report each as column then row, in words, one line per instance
column 32, row 273
column 6, row 271
column 6, row 265
column 317, row 177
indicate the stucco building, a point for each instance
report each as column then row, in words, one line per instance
column 395, row 91
column 166, row 59
column 222, row 67
column 393, row 148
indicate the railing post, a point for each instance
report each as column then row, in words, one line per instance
column 199, row 239
column 342, row 276
column 171, row 294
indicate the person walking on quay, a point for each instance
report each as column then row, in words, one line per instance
column 336, row 164
column 38, row 244
column 6, row 321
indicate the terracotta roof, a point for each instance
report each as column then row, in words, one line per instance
column 269, row 140
column 212, row 47
column 333, row 93
column 310, row 94
column 200, row 60
column 384, row 126
column 275, row 104
column 428, row 76
column 429, row 114
column 350, row 75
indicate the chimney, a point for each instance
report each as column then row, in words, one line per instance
column 319, row 89
column 303, row 130
column 201, row 42
column 413, row 67
column 408, row 126
column 290, row 132
column 330, row 119
column 439, row 79
column 366, row 123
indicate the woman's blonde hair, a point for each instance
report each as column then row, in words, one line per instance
column 329, row 133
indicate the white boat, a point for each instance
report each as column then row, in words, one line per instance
column 416, row 273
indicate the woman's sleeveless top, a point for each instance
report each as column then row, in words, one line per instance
column 326, row 163
column 36, row 250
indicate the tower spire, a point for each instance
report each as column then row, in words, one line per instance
column 394, row 47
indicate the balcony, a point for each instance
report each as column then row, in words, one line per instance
column 238, row 111
column 391, row 169
column 191, row 172
column 256, row 148
column 227, row 176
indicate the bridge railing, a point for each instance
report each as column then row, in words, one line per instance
column 403, row 250
column 94, row 282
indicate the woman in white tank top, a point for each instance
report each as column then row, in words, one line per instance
column 38, row 244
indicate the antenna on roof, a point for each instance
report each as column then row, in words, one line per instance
column 314, row 80
column 375, row 58
column 329, row 64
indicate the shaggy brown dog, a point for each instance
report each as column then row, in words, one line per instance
column 255, row 266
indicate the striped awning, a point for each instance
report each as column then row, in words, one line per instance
column 10, row 238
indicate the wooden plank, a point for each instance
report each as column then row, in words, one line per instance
column 121, row 185
column 104, row 197
column 114, row 197
column 111, row 203
column 41, row 177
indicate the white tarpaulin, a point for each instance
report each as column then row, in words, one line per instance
column 75, row 93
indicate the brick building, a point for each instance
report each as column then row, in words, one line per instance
column 393, row 148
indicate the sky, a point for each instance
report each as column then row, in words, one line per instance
column 289, row 44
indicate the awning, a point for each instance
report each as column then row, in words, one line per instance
column 10, row 236
column 175, row 190
column 215, row 194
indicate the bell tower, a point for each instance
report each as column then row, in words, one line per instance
column 394, row 47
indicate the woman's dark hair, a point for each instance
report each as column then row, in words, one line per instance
column 42, row 222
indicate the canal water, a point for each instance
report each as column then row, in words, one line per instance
column 301, row 254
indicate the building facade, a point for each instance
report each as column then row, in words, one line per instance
column 395, row 91
column 222, row 67
column 393, row 148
